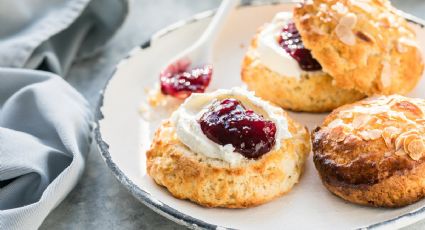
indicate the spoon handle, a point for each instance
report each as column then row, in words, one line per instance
column 220, row 16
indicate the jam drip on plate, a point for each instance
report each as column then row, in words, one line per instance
column 228, row 122
column 290, row 40
column 179, row 80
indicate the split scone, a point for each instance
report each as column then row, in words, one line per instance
column 228, row 149
column 372, row 152
column 279, row 69
column 331, row 53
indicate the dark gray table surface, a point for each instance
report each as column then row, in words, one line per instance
column 99, row 201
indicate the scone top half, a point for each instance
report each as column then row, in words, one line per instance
column 372, row 152
column 363, row 44
column 189, row 157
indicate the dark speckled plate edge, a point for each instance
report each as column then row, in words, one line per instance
column 163, row 209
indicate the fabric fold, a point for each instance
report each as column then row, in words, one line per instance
column 45, row 124
column 44, row 136
column 54, row 33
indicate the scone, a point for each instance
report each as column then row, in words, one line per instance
column 288, row 75
column 331, row 53
column 371, row 152
column 363, row 45
column 228, row 149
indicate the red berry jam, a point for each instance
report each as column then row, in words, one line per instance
column 228, row 122
column 290, row 40
column 178, row 80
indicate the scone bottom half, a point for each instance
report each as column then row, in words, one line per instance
column 372, row 152
column 213, row 182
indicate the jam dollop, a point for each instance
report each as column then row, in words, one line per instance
column 227, row 121
column 290, row 40
column 180, row 81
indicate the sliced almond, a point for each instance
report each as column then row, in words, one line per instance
column 336, row 123
column 337, row 134
column 346, row 114
column 416, row 149
column 344, row 29
column 404, row 42
column 370, row 134
column 388, row 141
column 386, row 74
column 399, row 143
column 400, row 152
column 392, row 130
column 407, row 140
column 389, row 133
column 360, row 120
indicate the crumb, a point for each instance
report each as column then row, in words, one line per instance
column 155, row 97
column 157, row 106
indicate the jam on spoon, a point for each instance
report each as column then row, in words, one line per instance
column 227, row 121
column 179, row 80
column 290, row 40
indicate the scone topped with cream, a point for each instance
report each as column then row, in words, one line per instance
column 329, row 53
column 228, row 148
column 363, row 44
column 280, row 69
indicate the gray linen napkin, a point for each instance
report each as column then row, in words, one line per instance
column 45, row 125
column 50, row 34
column 44, row 137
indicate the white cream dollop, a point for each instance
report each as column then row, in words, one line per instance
column 271, row 54
column 189, row 132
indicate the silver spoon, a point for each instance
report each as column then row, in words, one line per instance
column 200, row 53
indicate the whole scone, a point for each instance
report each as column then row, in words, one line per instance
column 214, row 182
column 307, row 91
column 363, row 45
column 371, row 152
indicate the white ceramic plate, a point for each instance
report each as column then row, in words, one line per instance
column 123, row 137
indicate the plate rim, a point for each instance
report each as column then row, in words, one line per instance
column 165, row 210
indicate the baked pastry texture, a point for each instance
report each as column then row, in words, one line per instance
column 363, row 45
column 215, row 183
column 312, row 92
column 372, row 152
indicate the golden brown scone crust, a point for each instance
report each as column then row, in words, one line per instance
column 371, row 152
column 214, row 183
column 311, row 93
column 363, row 45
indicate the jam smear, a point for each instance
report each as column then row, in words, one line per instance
column 227, row 121
column 180, row 81
column 290, row 40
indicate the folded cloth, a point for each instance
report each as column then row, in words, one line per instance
column 50, row 34
column 44, row 137
column 45, row 124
